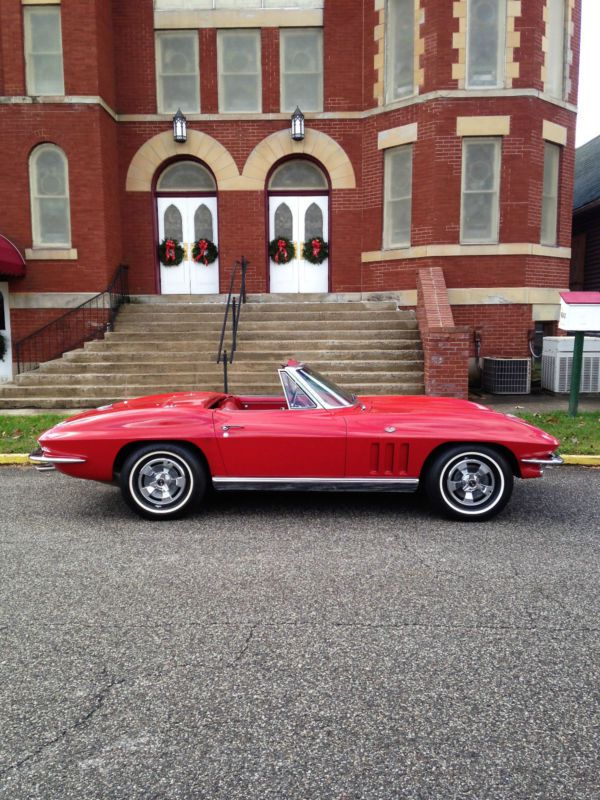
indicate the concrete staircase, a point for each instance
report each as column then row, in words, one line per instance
column 367, row 346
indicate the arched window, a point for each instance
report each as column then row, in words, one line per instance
column 298, row 174
column 186, row 176
column 49, row 182
column 284, row 222
column 173, row 223
column 203, row 223
column 313, row 221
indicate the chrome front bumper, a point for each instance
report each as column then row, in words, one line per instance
column 45, row 463
column 554, row 461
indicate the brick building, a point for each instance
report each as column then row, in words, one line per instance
column 438, row 134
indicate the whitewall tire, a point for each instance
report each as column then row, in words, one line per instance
column 469, row 482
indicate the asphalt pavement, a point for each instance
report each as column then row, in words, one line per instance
column 299, row 646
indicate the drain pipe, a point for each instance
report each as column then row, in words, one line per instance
column 477, row 342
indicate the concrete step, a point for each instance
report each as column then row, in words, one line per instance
column 123, row 368
column 306, row 302
column 194, row 379
column 102, row 398
column 70, row 393
column 270, row 311
column 284, row 348
column 405, row 349
column 266, row 323
column 299, row 333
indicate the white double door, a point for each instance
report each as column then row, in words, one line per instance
column 188, row 219
column 299, row 218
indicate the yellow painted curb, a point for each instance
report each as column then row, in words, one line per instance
column 14, row 458
column 585, row 461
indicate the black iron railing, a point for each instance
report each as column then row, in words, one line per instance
column 234, row 305
column 90, row 320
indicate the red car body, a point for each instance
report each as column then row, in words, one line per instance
column 264, row 442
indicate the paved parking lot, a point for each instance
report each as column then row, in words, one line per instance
column 299, row 646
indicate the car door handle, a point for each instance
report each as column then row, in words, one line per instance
column 230, row 427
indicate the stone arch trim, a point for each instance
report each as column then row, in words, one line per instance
column 161, row 147
column 321, row 147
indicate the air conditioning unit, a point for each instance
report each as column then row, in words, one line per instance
column 507, row 375
column 557, row 360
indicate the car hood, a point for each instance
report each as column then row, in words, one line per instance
column 462, row 417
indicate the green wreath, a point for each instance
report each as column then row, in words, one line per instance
column 281, row 250
column 204, row 251
column 170, row 252
column 315, row 250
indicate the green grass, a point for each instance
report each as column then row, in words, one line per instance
column 578, row 435
column 18, row 434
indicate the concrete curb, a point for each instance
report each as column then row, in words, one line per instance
column 12, row 459
column 583, row 461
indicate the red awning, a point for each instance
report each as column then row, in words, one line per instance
column 12, row 263
column 577, row 298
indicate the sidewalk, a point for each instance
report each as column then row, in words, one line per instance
column 540, row 402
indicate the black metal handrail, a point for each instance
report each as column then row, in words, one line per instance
column 223, row 356
column 90, row 320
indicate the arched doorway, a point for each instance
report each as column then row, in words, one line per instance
column 186, row 207
column 299, row 211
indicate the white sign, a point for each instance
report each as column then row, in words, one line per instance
column 578, row 315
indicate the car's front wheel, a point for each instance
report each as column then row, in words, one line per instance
column 162, row 481
column 469, row 482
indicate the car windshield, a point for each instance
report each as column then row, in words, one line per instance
column 329, row 392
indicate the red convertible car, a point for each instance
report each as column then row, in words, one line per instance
column 166, row 451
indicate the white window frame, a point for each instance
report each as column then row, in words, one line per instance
column 556, row 57
column 390, row 54
column 500, row 55
column 389, row 153
column 35, row 222
column 550, row 195
column 283, row 34
column 160, row 99
column 28, row 13
column 497, row 166
column 256, row 33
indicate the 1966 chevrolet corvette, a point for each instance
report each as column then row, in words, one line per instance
column 165, row 451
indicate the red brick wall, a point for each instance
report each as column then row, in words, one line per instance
column 12, row 70
column 134, row 56
column 504, row 328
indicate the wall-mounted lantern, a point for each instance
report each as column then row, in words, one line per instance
column 179, row 127
column 297, row 125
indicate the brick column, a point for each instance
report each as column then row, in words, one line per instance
column 445, row 346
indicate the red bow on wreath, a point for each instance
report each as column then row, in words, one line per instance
column 316, row 248
column 282, row 251
column 170, row 250
column 202, row 250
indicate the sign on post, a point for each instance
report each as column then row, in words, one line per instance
column 579, row 312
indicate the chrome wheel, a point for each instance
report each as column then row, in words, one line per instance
column 469, row 484
column 162, row 481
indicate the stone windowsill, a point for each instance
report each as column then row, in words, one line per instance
column 51, row 254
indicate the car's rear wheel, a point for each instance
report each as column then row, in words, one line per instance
column 162, row 481
column 469, row 482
